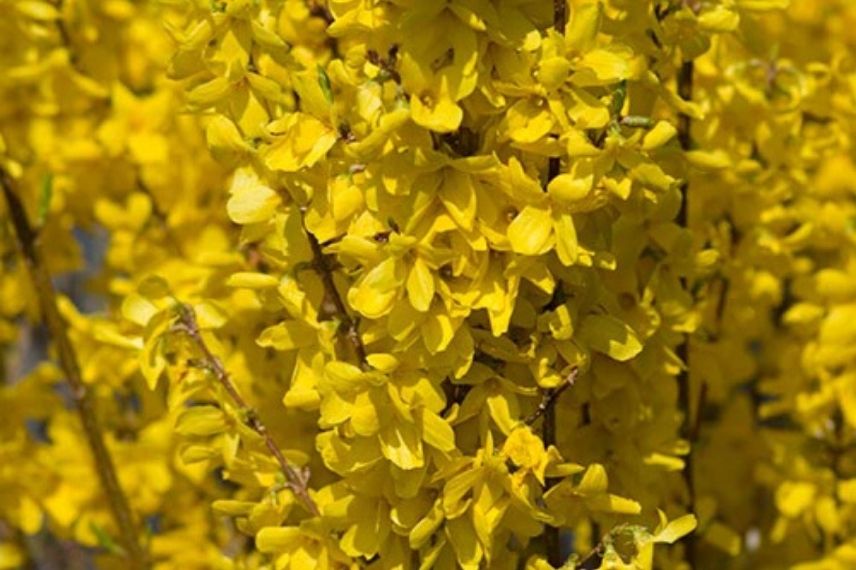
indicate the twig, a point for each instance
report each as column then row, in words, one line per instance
column 549, row 397
column 322, row 266
column 689, row 429
column 320, row 10
column 547, row 409
column 158, row 213
column 57, row 328
column 685, row 92
column 695, row 429
column 594, row 556
column 296, row 479
column 560, row 15
column 65, row 39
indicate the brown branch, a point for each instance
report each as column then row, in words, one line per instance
column 547, row 408
column 324, row 268
column 549, row 397
column 319, row 10
column 560, row 15
column 595, row 556
column 296, row 479
column 552, row 541
column 58, row 330
column 158, row 213
column 592, row 559
column 65, row 38
column 685, row 91
column 690, row 428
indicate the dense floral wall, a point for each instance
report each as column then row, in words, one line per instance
column 411, row 284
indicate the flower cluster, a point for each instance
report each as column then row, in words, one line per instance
column 418, row 284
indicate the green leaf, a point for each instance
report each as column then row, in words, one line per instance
column 637, row 122
column 45, row 195
column 105, row 541
column 619, row 96
column 324, row 83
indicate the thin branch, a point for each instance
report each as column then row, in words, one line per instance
column 695, row 429
column 65, row 38
column 690, row 428
column 296, row 479
column 320, row 10
column 547, row 408
column 592, row 559
column 322, row 266
column 595, row 556
column 685, row 91
column 549, row 397
column 560, row 15
column 58, row 330
column 158, row 213
column 552, row 539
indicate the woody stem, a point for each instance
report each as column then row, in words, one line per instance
column 690, row 428
column 348, row 324
column 297, row 481
column 548, row 427
column 58, row 331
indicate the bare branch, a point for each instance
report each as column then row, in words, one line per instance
column 58, row 330
column 546, row 408
column 592, row 559
column 296, row 479
column 595, row 556
column 560, row 15
column 322, row 266
column 689, row 429
column 549, row 397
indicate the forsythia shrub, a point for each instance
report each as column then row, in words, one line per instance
column 412, row 284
